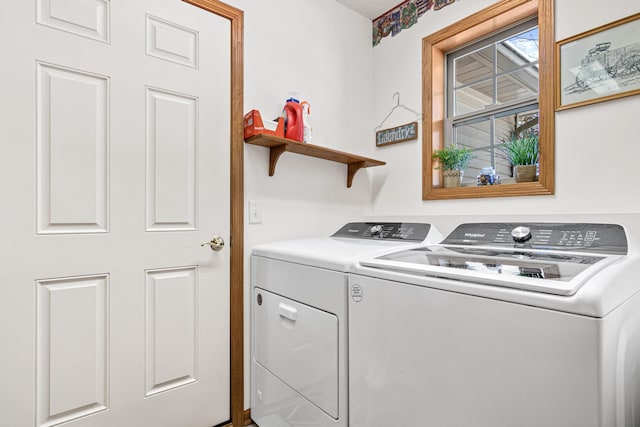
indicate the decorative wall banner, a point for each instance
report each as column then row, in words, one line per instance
column 403, row 16
column 398, row 134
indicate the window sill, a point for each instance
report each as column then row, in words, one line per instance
column 502, row 190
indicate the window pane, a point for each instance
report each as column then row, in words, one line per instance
column 518, row 85
column 518, row 51
column 482, row 158
column 503, row 166
column 509, row 126
column 473, row 135
column 473, row 98
column 474, row 66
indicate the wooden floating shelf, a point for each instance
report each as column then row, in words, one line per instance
column 277, row 146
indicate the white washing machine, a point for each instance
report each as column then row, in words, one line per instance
column 500, row 325
column 299, row 345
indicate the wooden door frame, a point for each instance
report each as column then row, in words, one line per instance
column 236, row 300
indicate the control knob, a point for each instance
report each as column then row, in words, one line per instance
column 376, row 230
column 521, row 233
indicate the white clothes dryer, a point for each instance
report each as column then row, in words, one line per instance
column 299, row 347
column 500, row 325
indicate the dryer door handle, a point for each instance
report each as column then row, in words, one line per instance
column 287, row 311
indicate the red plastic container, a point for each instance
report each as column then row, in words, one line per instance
column 293, row 125
column 254, row 125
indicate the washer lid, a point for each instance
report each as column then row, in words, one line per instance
column 549, row 258
column 555, row 273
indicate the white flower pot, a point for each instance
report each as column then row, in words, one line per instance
column 452, row 178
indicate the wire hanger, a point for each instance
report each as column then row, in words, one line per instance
column 398, row 105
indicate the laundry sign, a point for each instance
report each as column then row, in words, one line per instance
column 398, row 134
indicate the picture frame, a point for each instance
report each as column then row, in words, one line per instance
column 599, row 65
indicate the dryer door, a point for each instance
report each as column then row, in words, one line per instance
column 298, row 344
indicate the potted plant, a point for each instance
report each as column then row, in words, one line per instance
column 453, row 161
column 523, row 152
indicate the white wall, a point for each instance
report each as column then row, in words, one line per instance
column 596, row 146
column 323, row 51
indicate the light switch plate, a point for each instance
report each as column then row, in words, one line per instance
column 255, row 212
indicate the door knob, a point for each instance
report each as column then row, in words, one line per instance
column 216, row 244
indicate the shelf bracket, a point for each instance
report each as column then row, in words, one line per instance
column 352, row 168
column 274, row 155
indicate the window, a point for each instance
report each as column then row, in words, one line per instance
column 492, row 96
column 487, row 79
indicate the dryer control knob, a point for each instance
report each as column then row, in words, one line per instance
column 376, row 230
column 521, row 234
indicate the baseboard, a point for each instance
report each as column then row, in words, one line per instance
column 247, row 417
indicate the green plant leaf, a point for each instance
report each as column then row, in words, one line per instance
column 453, row 158
column 522, row 150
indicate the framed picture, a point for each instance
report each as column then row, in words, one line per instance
column 599, row 65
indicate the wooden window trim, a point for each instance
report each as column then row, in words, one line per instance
column 434, row 49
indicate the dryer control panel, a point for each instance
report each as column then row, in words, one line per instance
column 579, row 237
column 399, row 231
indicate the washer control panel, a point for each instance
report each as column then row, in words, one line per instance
column 580, row 237
column 403, row 231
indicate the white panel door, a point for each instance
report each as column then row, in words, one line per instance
column 114, row 167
